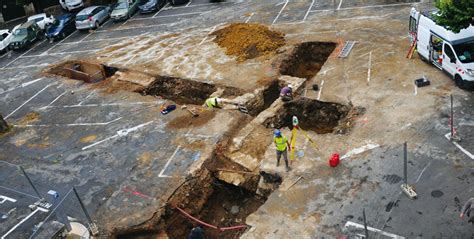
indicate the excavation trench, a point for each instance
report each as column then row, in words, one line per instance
column 321, row 117
column 306, row 59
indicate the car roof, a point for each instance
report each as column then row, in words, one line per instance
column 87, row 10
column 37, row 16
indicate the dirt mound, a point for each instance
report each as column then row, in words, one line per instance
column 247, row 41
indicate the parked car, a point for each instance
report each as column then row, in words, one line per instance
column 42, row 20
column 25, row 35
column 150, row 6
column 70, row 5
column 92, row 17
column 178, row 2
column 61, row 27
column 124, row 9
column 5, row 39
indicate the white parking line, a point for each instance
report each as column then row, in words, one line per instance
column 61, row 53
column 128, row 28
column 5, row 198
column 26, row 102
column 24, row 67
column 459, row 146
column 320, row 89
column 167, row 4
column 105, row 105
column 182, row 14
column 119, row 133
column 95, row 40
column 369, row 66
column 22, row 55
column 365, row 7
column 16, row 191
column 340, row 3
column 55, row 99
column 68, row 125
column 24, row 220
column 388, row 234
column 21, row 86
column 248, row 19
column 161, row 175
column 190, row 1
column 207, row 35
column 307, row 12
column 281, row 10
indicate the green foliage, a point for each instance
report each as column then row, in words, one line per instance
column 455, row 15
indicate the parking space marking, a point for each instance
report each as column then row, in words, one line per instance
column 161, row 175
column 68, row 125
column 307, row 12
column 61, row 53
column 26, row 102
column 165, row 7
column 136, row 27
column 23, row 85
column 320, row 89
column 119, row 133
column 339, row 6
column 5, row 198
column 16, row 191
column 365, row 7
column 190, row 1
column 22, row 55
column 96, row 40
column 369, row 66
column 279, row 13
column 384, row 233
column 105, row 105
column 55, row 99
column 248, row 19
column 24, row 220
column 24, row 67
column 469, row 154
column 207, row 35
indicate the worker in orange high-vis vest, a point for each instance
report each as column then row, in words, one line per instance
column 282, row 145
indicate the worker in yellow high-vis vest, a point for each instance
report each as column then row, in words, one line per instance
column 282, row 145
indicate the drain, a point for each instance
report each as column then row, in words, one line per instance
column 306, row 59
column 321, row 117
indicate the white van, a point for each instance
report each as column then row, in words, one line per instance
column 70, row 5
column 449, row 51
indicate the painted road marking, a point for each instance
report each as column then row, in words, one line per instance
column 369, row 66
column 161, row 175
column 309, row 9
column 360, row 150
column 4, row 67
column 248, row 19
column 365, row 7
column 26, row 102
column 16, row 191
column 163, row 8
column 360, row 226
column 469, row 154
column 120, row 133
column 24, row 220
column 5, row 198
column 24, row 67
column 105, row 39
column 210, row 31
column 340, row 3
column 320, row 89
column 281, row 10
column 22, row 85
column 53, row 101
column 69, row 125
column 105, row 105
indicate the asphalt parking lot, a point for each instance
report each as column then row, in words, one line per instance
column 133, row 171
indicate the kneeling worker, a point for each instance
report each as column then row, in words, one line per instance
column 286, row 93
column 216, row 102
column 282, row 144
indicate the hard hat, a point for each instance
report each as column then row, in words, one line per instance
column 290, row 86
column 277, row 132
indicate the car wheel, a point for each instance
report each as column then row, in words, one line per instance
column 96, row 25
column 459, row 82
column 63, row 35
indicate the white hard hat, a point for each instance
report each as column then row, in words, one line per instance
column 290, row 86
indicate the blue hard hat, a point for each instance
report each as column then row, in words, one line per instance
column 277, row 132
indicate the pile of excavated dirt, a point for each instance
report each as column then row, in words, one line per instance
column 247, row 41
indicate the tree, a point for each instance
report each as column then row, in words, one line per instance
column 455, row 15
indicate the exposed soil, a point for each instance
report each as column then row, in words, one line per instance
column 184, row 91
column 188, row 120
column 306, row 59
column 248, row 40
column 269, row 95
column 321, row 117
column 29, row 118
column 89, row 72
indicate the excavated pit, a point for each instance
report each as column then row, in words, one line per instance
column 306, row 59
column 270, row 93
column 88, row 72
column 184, row 91
column 321, row 117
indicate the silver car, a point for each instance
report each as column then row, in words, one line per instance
column 92, row 17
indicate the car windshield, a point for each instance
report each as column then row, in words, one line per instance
column 81, row 17
column 121, row 5
column 57, row 23
column 19, row 32
column 465, row 52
